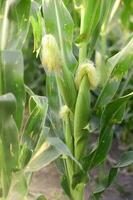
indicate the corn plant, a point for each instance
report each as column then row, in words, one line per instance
column 82, row 83
column 24, row 143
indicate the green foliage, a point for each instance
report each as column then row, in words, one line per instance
column 59, row 23
column 127, row 14
column 126, row 160
column 24, row 144
column 82, row 30
column 75, row 103
column 8, row 140
column 13, row 147
column 14, row 23
column 118, row 65
column 36, row 22
column 12, row 80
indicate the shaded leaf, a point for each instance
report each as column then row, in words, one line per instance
column 50, row 150
column 14, row 24
column 12, row 67
column 9, row 147
column 118, row 65
column 38, row 106
column 18, row 188
column 126, row 160
column 110, row 113
column 36, row 22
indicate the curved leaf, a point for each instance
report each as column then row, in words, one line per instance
column 110, row 113
column 50, row 150
column 126, row 160
column 118, row 65
column 108, row 118
column 38, row 106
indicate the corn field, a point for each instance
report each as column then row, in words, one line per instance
column 66, row 91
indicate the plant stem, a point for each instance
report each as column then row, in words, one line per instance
column 83, row 47
column 5, row 25
column 0, row 80
column 78, row 192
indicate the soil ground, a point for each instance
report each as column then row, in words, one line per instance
column 47, row 182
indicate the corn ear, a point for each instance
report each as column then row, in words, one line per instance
column 67, row 118
column 51, row 56
column 91, row 72
column 53, row 62
column 81, row 118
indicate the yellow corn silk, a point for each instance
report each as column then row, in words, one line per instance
column 87, row 68
column 51, row 57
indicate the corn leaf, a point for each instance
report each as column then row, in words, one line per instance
column 98, row 154
column 109, row 117
column 59, row 23
column 50, row 150
column 9, row 147
column 43, row 157
column 118, row 66
column 127, row 14
column 32, row 196
column 34, row 127
column 18, row 188
column 11, row 68
column 36, row 22
column 110, row 112
column 14, row 23
column 91, row 14
column 54, row 106
column 125, row 161
column 65, row 185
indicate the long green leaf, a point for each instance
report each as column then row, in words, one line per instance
column 9, row 146
column 12, row 67
column 36, row 22
column 109, row 117
column 91, row 13
column 110, row 113
column 59, row 23
column 14, row 23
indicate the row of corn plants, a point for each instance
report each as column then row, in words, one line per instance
column 83, row 84
column 25, row 145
